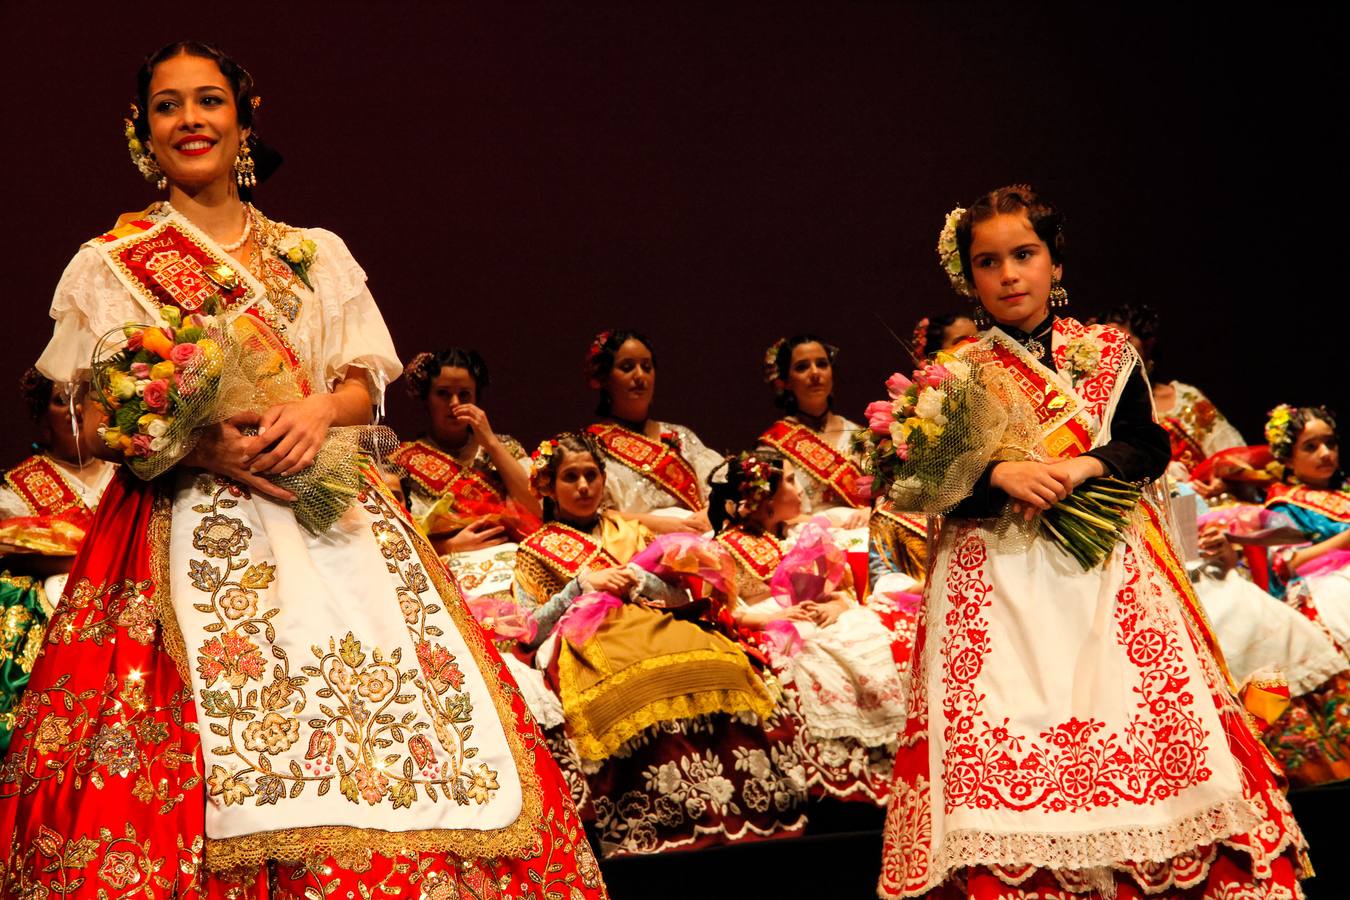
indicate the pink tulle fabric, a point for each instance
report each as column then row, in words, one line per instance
column 1326, row 563
column 1249, row 524
column 811, row 569
column 503, row 618
column 681, row 559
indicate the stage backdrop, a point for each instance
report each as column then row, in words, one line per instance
column 515, row 180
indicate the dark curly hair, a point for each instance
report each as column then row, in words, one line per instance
column 1046, row 220
column 600, row 360
column 36, row 391
column 266, row 159
column 725, row 495
column 423, row 368
column 1283, row 439
column 935, row 331
column 783, row 398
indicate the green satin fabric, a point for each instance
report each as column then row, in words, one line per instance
column 23, row 622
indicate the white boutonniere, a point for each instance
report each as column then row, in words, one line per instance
column 298, row 252
column 1082, row 355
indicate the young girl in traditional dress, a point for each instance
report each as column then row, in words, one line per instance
column 228, row 703
column 832, row 653
column 673, row 724
column 658, row 470
column 1070, row 731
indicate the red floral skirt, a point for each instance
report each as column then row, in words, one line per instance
column 102, row 795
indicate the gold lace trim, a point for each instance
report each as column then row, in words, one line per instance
column 171, row 636
column 598, row 747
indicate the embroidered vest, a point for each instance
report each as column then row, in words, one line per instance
column 653, row 460
column 813, row 455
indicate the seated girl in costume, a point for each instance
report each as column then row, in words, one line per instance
column 46, row 504
column 1314, row 497
column 643, row 689
column 466, row 486
column 833, row 654
column 658, row 470
column 942, row 332
column 817, row 440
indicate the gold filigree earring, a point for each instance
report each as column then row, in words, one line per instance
column 243, row 166
column 1059, row 297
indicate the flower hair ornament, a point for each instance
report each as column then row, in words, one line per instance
column 771, row 376
column 141, row 157
column 417, row 374
column 540, row 460
column 949, row 254
column 1281, row 431
column 920, row 338
column 593, row 353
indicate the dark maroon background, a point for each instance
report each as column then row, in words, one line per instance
column 515, row 181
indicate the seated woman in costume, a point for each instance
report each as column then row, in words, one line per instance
column 817, row 440
column 1071, row 731
column 642, row 687
column 466, row 486
column 1195, row 427
column 833, row 654
column 1314, row 496
column 46, row 504
column 659, row 472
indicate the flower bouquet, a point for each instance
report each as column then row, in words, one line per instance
column 162, row 384
column 927, row 445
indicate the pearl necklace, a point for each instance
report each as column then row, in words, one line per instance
column 248, row 230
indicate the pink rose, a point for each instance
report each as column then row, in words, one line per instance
column 156, row 395
column 140, row 445
column 879, row 416
column 140, row 370
column 937, row 373
column 901, row 451
column 896, row 385
column 184, row 354
column 865, row 485
column 135, row 340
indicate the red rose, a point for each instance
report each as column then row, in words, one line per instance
column 156, row 395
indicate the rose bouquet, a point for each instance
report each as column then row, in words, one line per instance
column 928, row 443
column 162, row 384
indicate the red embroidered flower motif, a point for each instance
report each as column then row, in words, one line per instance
column 438, row 664
column 119, row 869
column 233, row 656
column 322, row 744
column 421, row 750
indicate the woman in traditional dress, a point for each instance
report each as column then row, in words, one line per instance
column 817, row 440
column 1195, row 427
column 832, row 653
column 660, row 472
column 681, row 742
column 467, row 486
column 228, row 703
column 1069, row 731
column 46, row 504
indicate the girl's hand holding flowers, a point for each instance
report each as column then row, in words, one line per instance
column 1033, row 486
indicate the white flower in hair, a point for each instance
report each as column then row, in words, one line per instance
column 950, row 255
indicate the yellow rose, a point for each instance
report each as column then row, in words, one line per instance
column 112, row 437
column 295, row 255
column 122, row 385
column 161, row 370
column 211, row 351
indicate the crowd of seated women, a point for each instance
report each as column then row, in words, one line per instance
column 651, row 595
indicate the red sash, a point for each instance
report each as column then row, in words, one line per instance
column 1335, row 505
column 47, row 490
column 439, row 474
column 652, row 460
column 759, row 553
column 565, row 551
column 818, row 459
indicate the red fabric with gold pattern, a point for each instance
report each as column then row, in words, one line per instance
column 759, row 553
column 102, row 794
column 174, row 269
column 1185, row 449
column 819, row 460
column 47, row 490
column 439, row 474
column 566, row 550
column 1335, row 505
column 653, row 460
